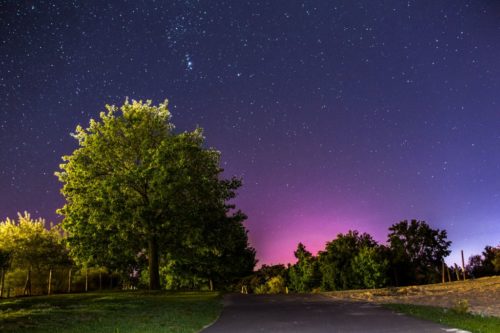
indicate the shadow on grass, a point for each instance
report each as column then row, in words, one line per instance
column 132, row 311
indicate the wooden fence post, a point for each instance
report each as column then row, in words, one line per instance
column 50, row 281
column 69, row 280
column 463, row 264
column 442, row 272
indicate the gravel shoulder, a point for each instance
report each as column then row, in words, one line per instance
column 483, row 295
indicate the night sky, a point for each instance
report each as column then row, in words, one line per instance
column 337, row 114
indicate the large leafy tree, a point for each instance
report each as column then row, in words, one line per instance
column 134, row 187
column 417, row 252
column 336, row 261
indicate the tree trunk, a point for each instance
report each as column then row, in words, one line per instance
column 27, row 285
column 86, row 279
column 50, row 282
column 154, row 269
column 2, row 283
column 100, row 279
column 110, row 280
column 211, row 285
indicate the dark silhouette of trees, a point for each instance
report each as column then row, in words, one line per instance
column 417, row 252
column 484, row 264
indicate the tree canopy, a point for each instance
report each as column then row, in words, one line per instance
column 417, row 252
column 135, row 187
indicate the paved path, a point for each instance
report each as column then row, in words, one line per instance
column 312, row 313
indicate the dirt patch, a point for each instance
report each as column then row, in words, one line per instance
column 483, row 295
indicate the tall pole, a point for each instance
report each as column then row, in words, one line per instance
column 463, row 264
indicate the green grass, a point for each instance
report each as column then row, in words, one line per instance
column 465, row 321
column 114, row 312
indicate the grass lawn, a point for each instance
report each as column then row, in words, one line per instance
column 465, row 321
column 114, row 312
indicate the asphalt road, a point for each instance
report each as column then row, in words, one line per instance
column 312, row 313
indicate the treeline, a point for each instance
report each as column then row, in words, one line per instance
column 414, row 254
column 35, row 259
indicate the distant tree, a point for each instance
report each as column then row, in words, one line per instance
column 133, row 186
column 483, row 265
column 305, row 275
column 496, row 260
column 370, row 268
column 417, row 252
column 336, row 261
column 27, row 244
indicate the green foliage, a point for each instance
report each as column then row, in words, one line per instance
column 370, row 268
column 136, row 190
column 224, row 257
column 258, row 281
column 276, row 285
column 417, row 252
column 336, row 261
column 27, row 243
column 28, row 251
column 305, row 275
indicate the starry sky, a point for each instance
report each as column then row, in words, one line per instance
column 337, row 114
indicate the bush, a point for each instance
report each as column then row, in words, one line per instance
column 261, row 289
column 276, row 285
column 461, row 306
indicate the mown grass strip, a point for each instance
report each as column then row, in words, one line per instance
column 465, row 321
column 114, row 312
